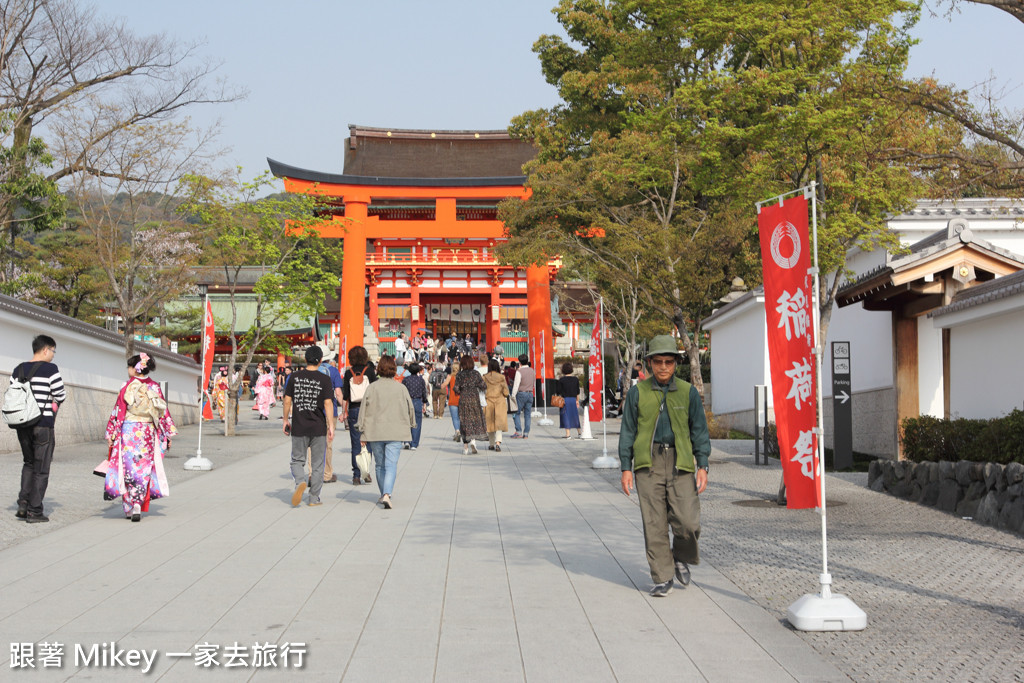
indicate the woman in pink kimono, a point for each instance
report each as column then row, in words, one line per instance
column 139, row 432
column 264, row 392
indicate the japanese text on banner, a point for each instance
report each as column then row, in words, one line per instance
column 788, row 284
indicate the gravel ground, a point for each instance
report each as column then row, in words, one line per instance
column 944, row 596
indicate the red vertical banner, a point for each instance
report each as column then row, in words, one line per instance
column 595, row 377
column 208, row 349
column 788, row 285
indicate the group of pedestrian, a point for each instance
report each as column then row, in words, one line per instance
column 663, row 445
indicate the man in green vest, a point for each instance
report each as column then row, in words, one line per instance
column 664, row 449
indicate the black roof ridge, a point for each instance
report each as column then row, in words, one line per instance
column 993, row 290
column 54, row 319
column 282, row 170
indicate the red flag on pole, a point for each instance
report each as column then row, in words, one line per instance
column 788, row 286
column 208, row 349
column 595, row 375
column 208, row 339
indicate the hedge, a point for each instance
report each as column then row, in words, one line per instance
column 931, row 439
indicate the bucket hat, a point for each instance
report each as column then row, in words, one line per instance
column 663, row 345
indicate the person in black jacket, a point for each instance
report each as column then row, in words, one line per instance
column 36, row 439
column 568, row 387
column 362, row 371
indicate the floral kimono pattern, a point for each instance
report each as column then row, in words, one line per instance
column 264, row 393
column 135, row 470
column 220, row 395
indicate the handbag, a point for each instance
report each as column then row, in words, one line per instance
column 364, row 461
column 102, row 469
column 511, row 406
column 557, row 401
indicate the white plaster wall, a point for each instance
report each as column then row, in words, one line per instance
column 929, row 368
column 870, row 337
column 986, row 371
column 869, row 334
column 738, row 359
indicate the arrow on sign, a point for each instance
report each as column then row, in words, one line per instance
column 843, row 397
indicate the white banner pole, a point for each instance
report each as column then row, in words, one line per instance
column 605, row 461
column 198, row 462
column 545, row 420
column 825, row 611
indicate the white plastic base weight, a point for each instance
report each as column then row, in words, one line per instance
column 198, row 462
column 834, row 613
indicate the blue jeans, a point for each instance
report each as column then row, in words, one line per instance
column 454, row 412
column 417, row 406
column 524, row 399
column 354, row 437
column 385, row 455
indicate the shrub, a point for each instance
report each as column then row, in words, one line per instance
column 716, row 429
column 999, row 440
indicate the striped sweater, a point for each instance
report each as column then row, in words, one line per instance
column 47, row 386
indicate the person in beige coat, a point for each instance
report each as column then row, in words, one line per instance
column 496, row 410
column 385, row 422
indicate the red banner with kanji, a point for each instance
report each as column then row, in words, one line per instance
column 788, row 286
column 595, row 377
column 208, row 340
column 208, row 349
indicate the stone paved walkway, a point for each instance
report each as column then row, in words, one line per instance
column 523, row 565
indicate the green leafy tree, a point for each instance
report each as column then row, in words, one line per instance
column 275, row 237
column 29, row 203
column 819, row 89
column 676, row 117
column 70, row 281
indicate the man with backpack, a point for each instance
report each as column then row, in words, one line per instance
column 326, row 368
column 358, row 375
column 438, row 379
column 30, row 406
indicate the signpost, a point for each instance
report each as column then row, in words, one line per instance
column 842, row 407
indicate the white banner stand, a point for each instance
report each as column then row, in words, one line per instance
column 197, row 461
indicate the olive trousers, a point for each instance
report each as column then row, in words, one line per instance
column 668, row 500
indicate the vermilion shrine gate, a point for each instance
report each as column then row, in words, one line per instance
column 417, row 211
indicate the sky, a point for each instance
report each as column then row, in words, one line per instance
column 313, row 68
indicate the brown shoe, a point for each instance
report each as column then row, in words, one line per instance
column 333, row 479
column 297, row 494
column 356, row 481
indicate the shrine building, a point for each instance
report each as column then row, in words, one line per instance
column 417, row 211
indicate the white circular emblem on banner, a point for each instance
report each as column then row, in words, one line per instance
column 782, row 231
